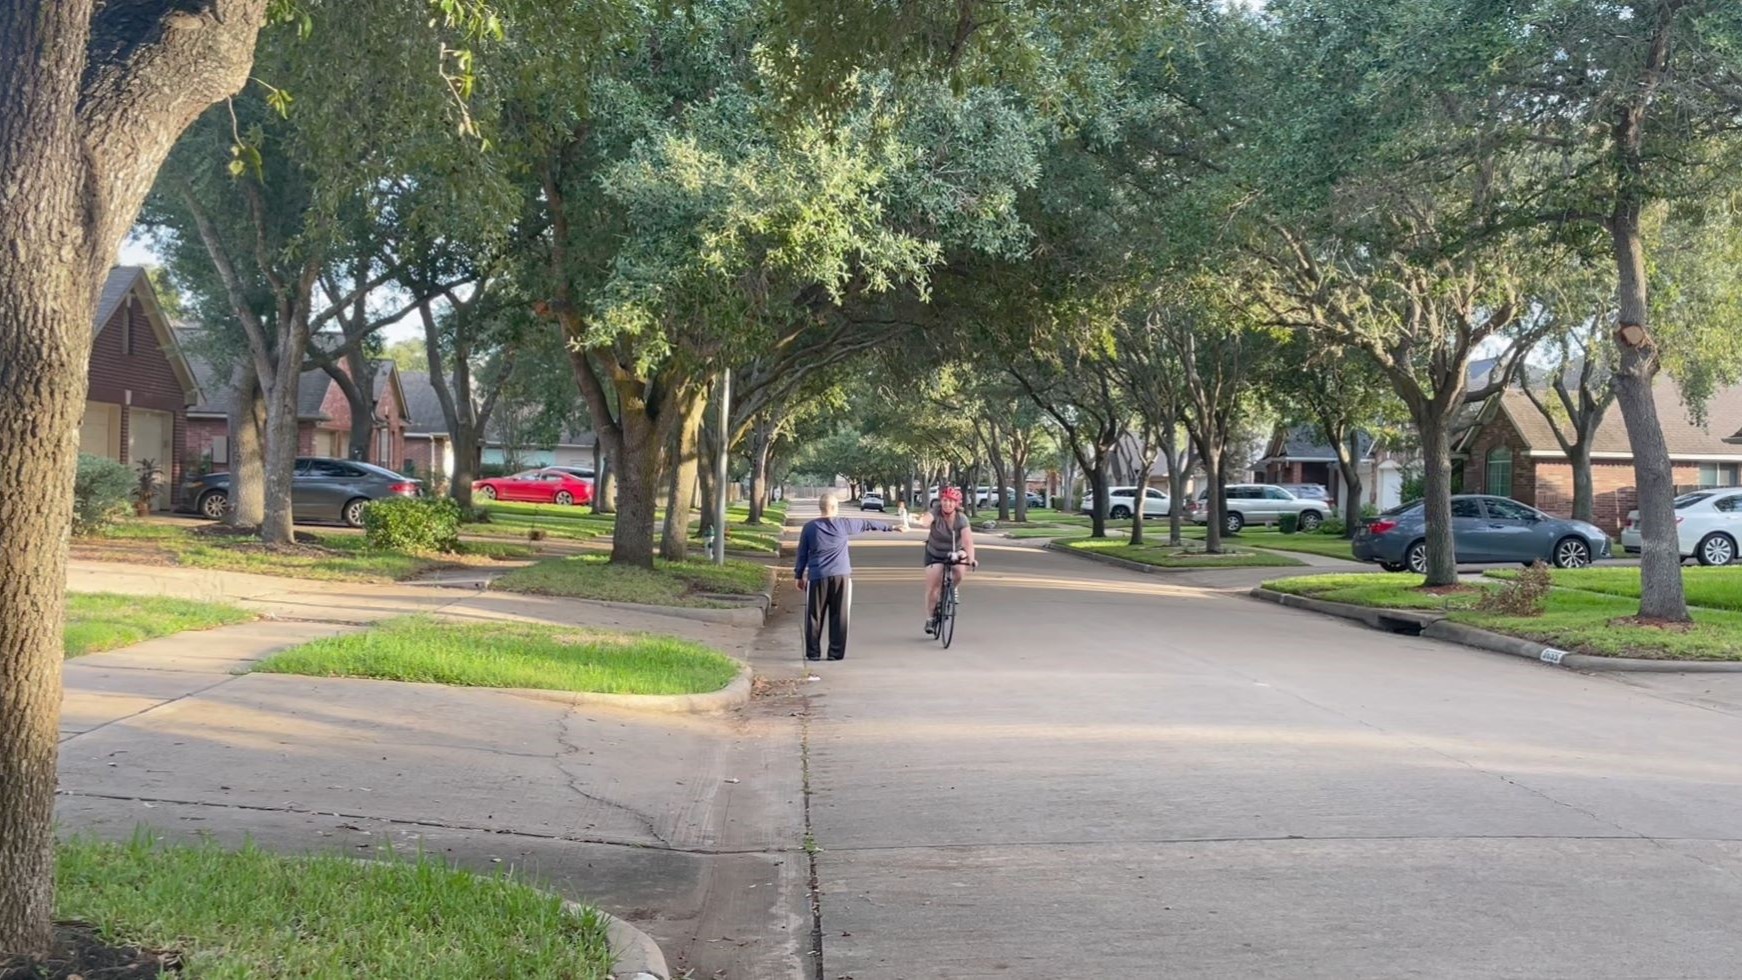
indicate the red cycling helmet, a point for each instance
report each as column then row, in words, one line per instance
column 951, row 493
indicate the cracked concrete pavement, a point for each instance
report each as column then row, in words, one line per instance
column 688, row 826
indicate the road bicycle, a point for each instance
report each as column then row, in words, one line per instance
column 944, row 613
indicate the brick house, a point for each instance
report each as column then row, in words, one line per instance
column 1512, row 452
column 429, row 449
column 323, row 417
column 1300, row 454
column 140, row 385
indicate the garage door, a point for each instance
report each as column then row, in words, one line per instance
column 100, row 431
column 150, row 436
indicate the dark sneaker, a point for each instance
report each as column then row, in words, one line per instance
column 931, row 627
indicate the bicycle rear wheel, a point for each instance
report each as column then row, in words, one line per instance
column 947, row 622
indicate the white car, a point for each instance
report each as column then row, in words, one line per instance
column 1122, row 502
column 871, row 501
column 1708, row 525
column 1259, row 503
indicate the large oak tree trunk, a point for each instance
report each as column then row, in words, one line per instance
column 1215, row 500
column 1350, row 469
column 1660, row 571
column 761, row 446
column 248, row 455
column 685, row 453
column 81, row 141
column 1098, row 481
column 1436, row 447
column 1584, row 489
column 277, row 524
column 1019, row 471
column 604, row 480
column 45, row 331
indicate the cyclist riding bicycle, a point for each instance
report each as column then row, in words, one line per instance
column 949, row 544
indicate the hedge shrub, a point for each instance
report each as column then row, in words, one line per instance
column 413, row 524
column 102, row 492
column 1289, row 523
column 1333, row 526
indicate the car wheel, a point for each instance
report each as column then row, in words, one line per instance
column 214, row 505
column 1310, row 520
column 488, row 491
column 1233, row 523
column 1392, row 566
column 353, row 512
column 1416, row 558
column 565, row 499
column 1716, row 549
column 1119, row 513
column 1572, row 553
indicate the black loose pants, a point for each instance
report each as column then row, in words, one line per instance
column 831, row 597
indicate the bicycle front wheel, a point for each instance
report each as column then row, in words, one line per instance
column 947, row 622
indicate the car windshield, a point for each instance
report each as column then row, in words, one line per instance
column 1687, row 500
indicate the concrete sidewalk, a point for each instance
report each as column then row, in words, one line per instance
column 688, row 826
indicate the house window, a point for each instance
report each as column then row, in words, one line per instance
column 1500, row 472
column 1718, row 474
column 221, row 450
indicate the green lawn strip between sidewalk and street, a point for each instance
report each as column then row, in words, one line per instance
column 1303, row 542
column 332, row 556
column 248, row 913
column 1710, row 587
column 744, row 539
column 99, row 621
column 512, row 654
column 1573, row 620
column 668, row 584
column 1028, row 533
column 1165, row 557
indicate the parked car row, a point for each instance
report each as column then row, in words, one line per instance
column 1484, row 529
column 564, row 486
column 1259, row 503
column 1708, row 526
column 1122, row 503
column 321, row 489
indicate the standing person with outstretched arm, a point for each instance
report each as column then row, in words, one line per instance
column 824, row 573
column 948, row 544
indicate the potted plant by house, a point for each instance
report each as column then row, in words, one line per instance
column 145, row 490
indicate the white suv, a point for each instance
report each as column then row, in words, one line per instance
column 1708, row 526
column 1122, row 502
column 1259, row 503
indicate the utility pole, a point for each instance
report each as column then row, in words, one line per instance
column 721, row 470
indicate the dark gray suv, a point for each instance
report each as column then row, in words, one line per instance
column 322, row 490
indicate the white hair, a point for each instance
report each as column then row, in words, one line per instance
column 828, row 503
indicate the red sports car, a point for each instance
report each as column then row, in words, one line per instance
column 546, row 486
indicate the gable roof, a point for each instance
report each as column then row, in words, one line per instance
column 423, row 406
column 131, row 281
column 1685, row 437
column 1306, row 444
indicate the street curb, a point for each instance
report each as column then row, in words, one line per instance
column 1435, row 626
column 734, row 695
column 1137, row 566
column 636, row 955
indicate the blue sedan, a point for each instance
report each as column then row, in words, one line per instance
column 1484, row 529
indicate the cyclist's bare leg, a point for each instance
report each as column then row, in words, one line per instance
column 934, row 587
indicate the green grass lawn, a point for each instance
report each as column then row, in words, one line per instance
column 1165, row 557
column 327, row 556
column 511, row 654
column 1574, row 620
column 1027, row 533
column 107, row 621
column 1713, row 588
column 250, row 914
column 668, row 584
column 1314, row 543
column 746, row 539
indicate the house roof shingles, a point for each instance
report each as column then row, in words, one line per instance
column 1684, row 436
column 423, row 407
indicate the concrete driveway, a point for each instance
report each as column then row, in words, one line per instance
column 1120, row 775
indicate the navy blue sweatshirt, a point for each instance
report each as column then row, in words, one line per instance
column 822, row 546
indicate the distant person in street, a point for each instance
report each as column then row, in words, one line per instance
column 825, row 575
column 949, row 543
